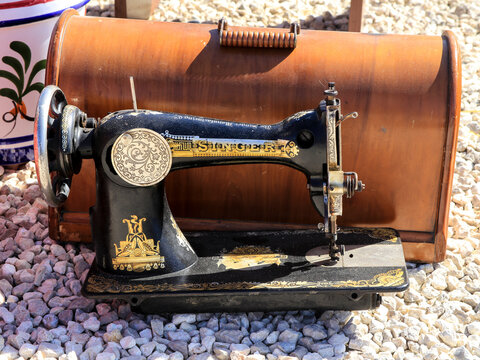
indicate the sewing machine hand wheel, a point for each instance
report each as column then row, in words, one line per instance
column 55, row 126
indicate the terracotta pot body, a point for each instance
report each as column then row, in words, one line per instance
column 405, row 88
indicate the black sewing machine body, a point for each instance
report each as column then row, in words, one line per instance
column 142, row 255
column 194, row 142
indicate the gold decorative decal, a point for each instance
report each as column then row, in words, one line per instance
column 136, row 252
column 141, row 157
column 332, row 141
column 384, row 234
column 195, row 146
column 102, row 285
column 250, row 256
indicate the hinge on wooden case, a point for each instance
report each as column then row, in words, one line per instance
column 260, row 39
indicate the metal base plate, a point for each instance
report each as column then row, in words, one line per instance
column 267, row 270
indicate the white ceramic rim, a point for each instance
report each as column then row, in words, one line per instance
column 37, row 12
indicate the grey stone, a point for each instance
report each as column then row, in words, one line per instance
column 103, row 308
column 50, row 321
column 82, row 303
column 27, row 276
column 4, row 255
column 105, row 356
column 23, row 242
column 74, row 328
column 135, row 351
column 208, row 341
column 6, row 315
column 8, row 270
column 177, row 319
column 91, row 324
column 71, row 346
column 325, row 350
column 80, row 338
column 146, row 334
column 59, row 331
column 213, row 324
column 272, row 338
column 60, row 267
column 9, row 353
column 256, row 326
column 462, row 353
column 229, row 336
column 57, row 250
column 17, row 340
column 180, row 346
column 32, row 193
column 26, row 255
column 50, row 350
column 289, row 336
column 148, row 348
column 37, row 307
column 178, row 335
column 315, row 331
column 127, row 342
column 138, row 324
column 108, row 318
column 222, row 353
column 259, row 347
column 299, row 352
column 259, row 335
column 25, row 326
column 124, row 310
column 196, row 348
column 27, row 350
column 21, row 289
column 57, row 301
column 80, row 267
column 285, row 347
column 176, row 356
column 449, row 337
column 44, row 335
column 32, row 295
column 75, row 287
column 312, row 356
column 5, row 287
column 282, row 326
column 22, row 264
column 40, row 274
column 48, row 285
column 240, row 348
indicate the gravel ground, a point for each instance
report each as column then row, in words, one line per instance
column 43, row 315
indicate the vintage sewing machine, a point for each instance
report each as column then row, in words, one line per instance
column 142, row 255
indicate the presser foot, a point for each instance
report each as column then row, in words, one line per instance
column 267, row 271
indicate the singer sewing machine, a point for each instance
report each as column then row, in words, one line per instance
column 143, row 257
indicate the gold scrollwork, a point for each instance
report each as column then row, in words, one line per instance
column 100, row 284
column 385, row 234
column 136, row 252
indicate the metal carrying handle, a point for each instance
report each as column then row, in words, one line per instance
column 259, row 39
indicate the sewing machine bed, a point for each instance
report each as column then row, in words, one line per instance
column 267, row 270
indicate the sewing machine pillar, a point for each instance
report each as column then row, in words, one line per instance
column 135, row 231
